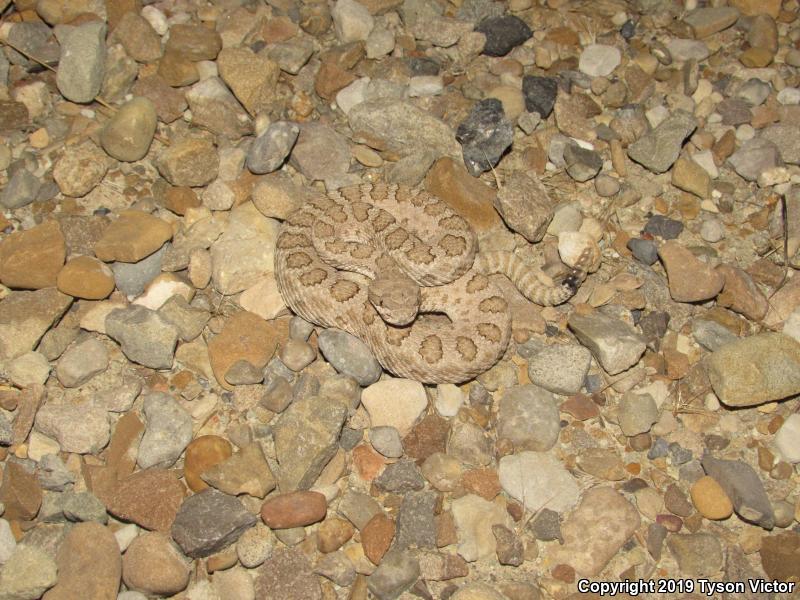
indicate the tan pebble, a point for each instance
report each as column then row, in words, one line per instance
column 710, row 499
column 756, row 58
column 200, row 268
column 367, row 156
column 377, row 536
column 202, row 454
column 86, row 277
column 39, row 138
column 32, row 259
column 294, row 509
column 132, row 237
column 332, row 534
column 153, row 565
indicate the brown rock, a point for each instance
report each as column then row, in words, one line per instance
column 333, row 533
column 690, row 177
column 121, row 452
column 26, row 316
column 246, row 337
column 191, row 162
column 149, row 498
column 251, row 77
column 580, row 407
column 12, row 115
column 483, row 482
column 470, row 198
column 763, row 33
column 740, row 293
column 756, row 58
column 31, row 259
column 89, row 565
column 724, row 147
column 287, row 574
column 331, row 78
column 246, row 472
column 116, row 9
column 177, row 70
column 179, row 199
column 710, row 499
column 367, row 462
column 20, row 492
column 202, row 453
column 86, row 277
column 750, row 8
column 377, row 536
column 80, row 169
column 708, row 21
column 132, row 237
column 170, row 103
column 427, row 437
column 574, row 113
column 138, row 37
column 294, row 509
column 153, row 565
column 690, row 279
column 194, row 42
column 780, row 556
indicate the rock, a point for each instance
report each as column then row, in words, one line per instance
column 287, row 574
column 482, row 591
column 246, row 338
column 560, row 368
column 216, row 109
column 540, row 94
column 20, row 493
column 779, row 555
column 82, row 362
column 525, row 205
column 698, row 554
column 168, row 431
column 132, row 237
column 598, row 60
column 613, row 343
column 582, row 164
column 246, row 472
column 86, row 277
column 659, row 149
column 153, row 565
column 644, row 251
column 663, row 227
column 706, row 22
column 191, row 162
column 271, row 148
column 484, row 135
column 202, row 454
column 744, row 488
column 32, row 258
column 503, row 34
column 332, row 534
column 82, row 63
column 687, row 175
column 690, row 279
column 194, row 42
column 27, row 574
column 352, row 21
column 397, row 572
column 129, row 132
column 294, row 509
column 317, row 420
column 594, row 532
column 710, row 499
column 416, row 526
column 81, row 428
column 396, row 403
column 29, row 369
column 740, row 293
column 786, row 439
column 528, row 418
column 137, row 36
column 787, row 139
column 89, row 564
column 321, row 153
column 145, row 337
column 349, row 356
column 756, row 369
column 26, row 316
column 637, row 413
column 150, row 498
column 538, row 481
column 21, row 190
column 208, row 522
column 400, row 477
column 754, row 157
column 386, row 440
column 474, row 518
column 358, row 508
column 132, row 278
column 251, row 77
column 377, row 536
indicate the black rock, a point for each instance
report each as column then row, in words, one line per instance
column 400, row 477
column 654, row 325
column 484, row 136
column 645, row 251
column 540, row 94
column 628, row 29
column 503, row 34
column 416, row 525
column 582, row 164
column 663, row 227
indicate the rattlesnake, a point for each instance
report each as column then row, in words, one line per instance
column 373, row 259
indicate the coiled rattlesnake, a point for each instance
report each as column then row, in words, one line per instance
column 374, row 259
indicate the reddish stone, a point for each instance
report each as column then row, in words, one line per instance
column 20, row 492
column 149, row 498
column 483, row 482
column 294, row 509
column 367, row 463
column 377, row 536
column 428, row 437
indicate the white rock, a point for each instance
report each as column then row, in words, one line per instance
column 94, row 319
column 538, row 480
column 218, row 195
column 449, row 399
column 379, row 43
column 40, row 445
column 125, row 535
column 474, row 517
column 789, row 95
column 712, row 230
column 162, row 288
column 706, row 160
column 353, row 94
column 787, row 440
column 572, row 245
column 352, row 21
column 599, row 60
column 425, row 85
column 264, row 298
column 28, row 369
column 156, row 18
column 656, row 115
column 683, row 50
column 395, row 402
column 791, row 326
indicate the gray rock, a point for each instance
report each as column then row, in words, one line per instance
column 189, row 320
column 416, row 525
column 644, row 251
column 132, row 278
column 82, row 507
column 27, row 574
column 756, row 369
column 6, row 431
column 53, row 473
column 503, row 34
column 20, row 190
column 292, row 54
column 469, row 444
column 397, row 572
column 358, row 508
column 306, row 438
column 7, row 541
column 711, row 335
column 26, row 316
column 754, row 157
column 484, row 136
column 525, row 205
column 81, row 428
column 145, row 336
column 754, row 92
column 786, row 136
column 167, row 433
column 386, row 440
column 209, row 521
column 546, row 526
column 349, row 356
column 400, row 477
column 32, row 368
column 214, row 107
column 582, row 164
column 637, row 413
column 540, row 94
column 337, row 567
column 744, row 487
column 321, row 153
column 271, row 148
column 659, row 149
column 81, row 362
column 538, row 480
column 698, row 554
column 528, row 418
column 614, row 344
column 287, row 574
column 510, row 549
column 82, row 63
column 560, row 368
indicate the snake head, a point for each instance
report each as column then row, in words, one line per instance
column 396, row 297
